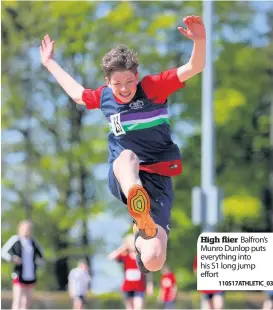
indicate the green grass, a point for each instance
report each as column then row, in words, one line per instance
column 187, row 300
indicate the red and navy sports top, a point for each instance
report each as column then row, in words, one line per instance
column 142, row 125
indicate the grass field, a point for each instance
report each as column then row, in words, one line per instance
column 190, row 300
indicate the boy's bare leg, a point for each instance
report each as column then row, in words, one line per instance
column 26, row 299
column 78, row 304
column 129, row 304
column 218, row 301
column 138, row 302
column 153, row 250
column 126, row 169
column 17, row 296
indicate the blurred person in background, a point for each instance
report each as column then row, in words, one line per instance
column 142, row 155
column 79, row 282
column 167, row 289
column 135, row 283
column 268, row 303
column 26, row 254
column 211, row 299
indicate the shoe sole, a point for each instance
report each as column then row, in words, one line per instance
column 139, row 205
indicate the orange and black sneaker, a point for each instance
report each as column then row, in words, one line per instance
column 139, row 205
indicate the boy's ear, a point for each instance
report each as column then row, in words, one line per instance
column 137, row 75
column 107, row 81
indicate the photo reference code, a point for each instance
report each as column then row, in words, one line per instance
column 246, row 283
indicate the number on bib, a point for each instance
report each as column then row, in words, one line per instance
column 116, row 125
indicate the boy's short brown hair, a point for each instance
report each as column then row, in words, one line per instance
column 120, row 58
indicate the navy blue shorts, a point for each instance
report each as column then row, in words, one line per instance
column 158, row 187
column 132, row 294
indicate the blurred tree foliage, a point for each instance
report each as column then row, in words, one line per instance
column 51, row 147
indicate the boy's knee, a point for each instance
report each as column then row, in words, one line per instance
column 154, row 260
column 125, row 157
column 128, row 155
column 153, row 251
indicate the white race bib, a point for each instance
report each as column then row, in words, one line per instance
column 166, row 283
column 132, row 275
column 116, row 125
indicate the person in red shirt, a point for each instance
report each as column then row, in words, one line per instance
column 213, row 299
column 168, row 288
column 135, row 283
column 143, row 157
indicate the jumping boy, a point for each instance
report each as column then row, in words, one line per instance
column 142, row 155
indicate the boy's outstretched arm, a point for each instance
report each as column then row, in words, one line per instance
column 196, row 32
column 113, row 255
column 70, row 86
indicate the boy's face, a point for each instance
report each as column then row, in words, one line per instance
column 123, row 85
column 25, row 229
column 84, row 266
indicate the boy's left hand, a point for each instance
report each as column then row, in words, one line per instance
column 195, row 28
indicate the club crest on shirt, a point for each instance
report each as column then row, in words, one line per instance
column 136, row 105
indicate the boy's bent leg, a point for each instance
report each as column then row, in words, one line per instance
column 126, row 170
column 153, row 251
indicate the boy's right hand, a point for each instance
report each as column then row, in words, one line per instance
column 46, row 50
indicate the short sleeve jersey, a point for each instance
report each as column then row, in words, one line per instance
column 79, row 280
column 142, row 125
column 167, row 283
column 134, row 280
